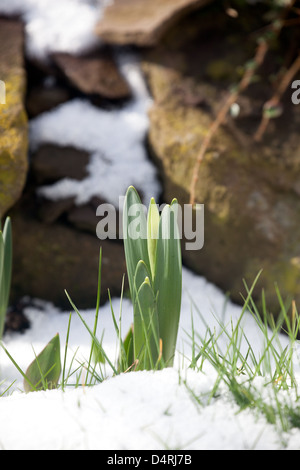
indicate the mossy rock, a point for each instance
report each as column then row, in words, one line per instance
column 13, row 119
column 51, row 258
column 250, row 190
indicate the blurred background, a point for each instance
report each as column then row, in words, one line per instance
column 181, row 98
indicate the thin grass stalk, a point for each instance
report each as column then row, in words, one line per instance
column 270, row 351
column 71, row 372
column 6, row 390
column 18, row 367
column 65, row 352
column 97, row 308
column 97, row 343
column 122, row 357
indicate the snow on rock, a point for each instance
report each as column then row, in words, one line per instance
column 57, row 25
column 115, row 138
column 138, row 410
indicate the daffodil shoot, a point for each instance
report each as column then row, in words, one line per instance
column 154, row 269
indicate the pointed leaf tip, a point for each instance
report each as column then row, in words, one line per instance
column 44, row 371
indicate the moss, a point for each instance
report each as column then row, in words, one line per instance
column 241, row 237
column 13, row 142
column 219, row 69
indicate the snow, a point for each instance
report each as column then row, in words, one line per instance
column 114, row 138
column 166, row 409
column 57, row 25
column 143, row 410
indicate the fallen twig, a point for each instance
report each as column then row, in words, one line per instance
column 258, row 59
column 254, row 64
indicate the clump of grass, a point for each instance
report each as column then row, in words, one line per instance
column 263, row 381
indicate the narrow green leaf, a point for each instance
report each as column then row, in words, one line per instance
column 7, row 267
column 141, row 307
column 1, row 270
column 45, row 369
column 66, row 350
column 152, row 233
column 97, row 343
column 135, row 235
column 97, row 355
column 17, row 366
column 128, row 347
column 168, row 281
column 141, row 273
column 5, row 270
column 146, row 330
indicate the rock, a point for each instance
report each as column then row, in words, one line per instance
column 44, row 98
column 84, row 216
column 46, row 89
column 94, row 74
column 15, row 319
column 13, row 119
column 52, row 162
column 49, row 258
column 50, row 211
column 250, row 191
column 142, row 22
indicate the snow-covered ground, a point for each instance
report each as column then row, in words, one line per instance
column 137, row 410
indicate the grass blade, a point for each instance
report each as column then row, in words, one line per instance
column 96, row 342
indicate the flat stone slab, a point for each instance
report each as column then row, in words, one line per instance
column 95, row 74
column 142, row 22
column 51, row 163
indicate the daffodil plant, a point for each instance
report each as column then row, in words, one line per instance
column 5, row 270
column 154, row 268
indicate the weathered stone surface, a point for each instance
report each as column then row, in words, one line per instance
column 49, row 258
column 52, row 162
column 84, row 217
column 50, row 211
column 42, row 98
column 142, row 22
column 13, row 119
column 94, row 74
column 250, row 191
column 15, row 319
column 46, row 89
